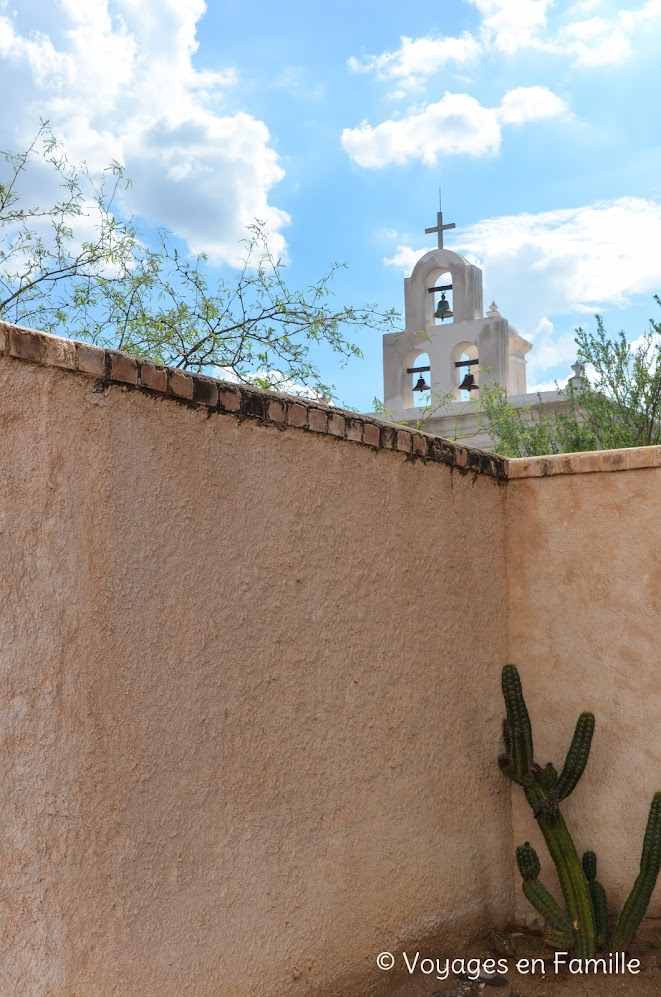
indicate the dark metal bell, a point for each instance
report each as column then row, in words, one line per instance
column 468, row 384
column 443, row 308
column 421, row 385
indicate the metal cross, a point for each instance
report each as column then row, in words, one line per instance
column 440, row 228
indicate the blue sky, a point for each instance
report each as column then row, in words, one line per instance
column 337, row 123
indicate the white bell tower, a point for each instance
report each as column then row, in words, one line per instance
column 446, row 325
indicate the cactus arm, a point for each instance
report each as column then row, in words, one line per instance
column 600, row 912
column 590, row 866
column 507, row 737
column 528, row 861
column 577, row 756
column 652, row 841
column 505, row 761
column 573, row 883
column 506, row 767
column 518, row 724
column 637, row 901
column 547, row 906
column 503, row 944
column 598, row 898
column 559, row 939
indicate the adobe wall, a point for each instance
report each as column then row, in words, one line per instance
column 584, row 572
column 247, row 679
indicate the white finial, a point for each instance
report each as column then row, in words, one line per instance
column 579, row 372
column 493, row 311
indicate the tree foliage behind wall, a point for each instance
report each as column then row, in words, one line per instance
column 530, row 432
column 71, row 266
column 617, row 403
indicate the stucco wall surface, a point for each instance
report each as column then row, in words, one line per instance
column 247, row 698
column 584, row 578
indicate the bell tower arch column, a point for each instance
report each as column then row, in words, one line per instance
column 444, row 316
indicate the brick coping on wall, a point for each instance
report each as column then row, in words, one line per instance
column 293, row 412
column 241, row 401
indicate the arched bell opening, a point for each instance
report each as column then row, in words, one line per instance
column 417, row 392
column 440, row 293
column 465, row 372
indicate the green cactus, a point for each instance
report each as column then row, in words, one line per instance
column 583, row 926
column 577, row 756
column 527, row 860
column 548, row 775
column 598, row 898
column 503, row 944
column 590, row 866
column 540, row 787
column 547, row 906
column 559, row 939
column 650, row 863
column 519, row 728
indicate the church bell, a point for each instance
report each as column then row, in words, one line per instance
column 421, row 385
column 443, row 309
column 468, row 384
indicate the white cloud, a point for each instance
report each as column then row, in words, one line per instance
column 529, row 104
column 417, row 59
column 650, row 11
column 276, row 380
column 585, row 259
column 650, row 347
column 595, row 42
column 540, row 386
column 552, row 350
column 226, row 374
column 455, row 125
column 594, row 256
column 405, row 258
column 116, row 79
column 583, row 7
column 655, row 339
column 510, row 25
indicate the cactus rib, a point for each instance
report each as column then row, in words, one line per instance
column 507, row 737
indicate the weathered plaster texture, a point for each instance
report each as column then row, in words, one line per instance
column 584, row 463
column 248, row 709
column 584, row 610
column 249, row 706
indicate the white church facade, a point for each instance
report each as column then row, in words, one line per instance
column 433, row 371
